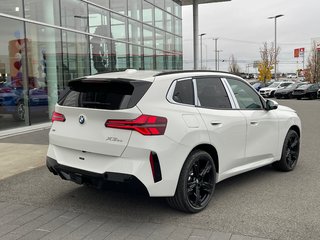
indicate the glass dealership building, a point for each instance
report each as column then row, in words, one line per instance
column 46, row 43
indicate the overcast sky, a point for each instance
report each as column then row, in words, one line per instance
column 243, row 25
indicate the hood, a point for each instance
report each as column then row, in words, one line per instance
column 287, row 109
column 269, row 88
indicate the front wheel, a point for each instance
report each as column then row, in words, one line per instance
column 196, row 183
column 290, row 152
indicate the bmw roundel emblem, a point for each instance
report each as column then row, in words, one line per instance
column 81, row 119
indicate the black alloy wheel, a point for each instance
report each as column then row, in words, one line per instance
column 196, row 183
column 290, row 152
column 20, row 112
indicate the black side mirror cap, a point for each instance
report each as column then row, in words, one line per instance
column 271, row 105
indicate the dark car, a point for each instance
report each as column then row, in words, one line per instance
column 306, row 91
column 287, row 91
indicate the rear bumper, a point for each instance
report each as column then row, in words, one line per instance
column 80, row 176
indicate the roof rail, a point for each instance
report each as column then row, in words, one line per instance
column 187, row 71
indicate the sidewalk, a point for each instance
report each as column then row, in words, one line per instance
column 22, row 152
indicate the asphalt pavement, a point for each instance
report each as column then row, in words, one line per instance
column 261, row 204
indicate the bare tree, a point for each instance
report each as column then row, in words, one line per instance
column 233, row 65
column 268, row 56
column 313, row 65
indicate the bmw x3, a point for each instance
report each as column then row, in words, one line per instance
column 177, row 133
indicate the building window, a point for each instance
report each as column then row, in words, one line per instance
column 14, row 87
column 134, row 9
column 148, row 13
column 43, row 11
column 119, row 6
column 12, row 7
column 74, row 15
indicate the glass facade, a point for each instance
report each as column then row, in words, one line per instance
column 46, row 43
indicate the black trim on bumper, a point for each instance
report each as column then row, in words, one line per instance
column 80, row 176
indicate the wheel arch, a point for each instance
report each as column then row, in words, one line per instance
column 296, row 129
column 211, row 150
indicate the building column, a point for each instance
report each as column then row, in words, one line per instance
column 51, row 54
column 195, row 35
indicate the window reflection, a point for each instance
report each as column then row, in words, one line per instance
column 46, row 11
column 148, row 59
column 134, row 9
column 13, row 82
column 147, row 13
column 74, row 15
column 12, row 7
column 119, row 6
column 44, row 70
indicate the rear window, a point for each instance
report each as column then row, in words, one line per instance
column 105, row 94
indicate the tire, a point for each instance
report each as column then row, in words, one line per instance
column 19, row 113
column 272, row 94
column 196, row 183
column 299, row 98
column 290, row 152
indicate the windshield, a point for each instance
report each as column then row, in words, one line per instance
column 305, row 86
column 274, row 85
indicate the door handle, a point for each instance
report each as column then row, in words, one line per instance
column 216, row 123
column 254, row 123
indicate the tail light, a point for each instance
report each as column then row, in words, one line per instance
column 58, row 117
column 145, row 124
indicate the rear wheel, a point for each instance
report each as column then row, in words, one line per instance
column 19, row 113
column 196, row 183
column 290, row 152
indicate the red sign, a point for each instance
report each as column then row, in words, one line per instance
column 299, row 52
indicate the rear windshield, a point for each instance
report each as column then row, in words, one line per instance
column 104, row 94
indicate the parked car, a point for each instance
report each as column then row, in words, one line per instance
column 12, row 101
column 270, row 90
column 175, row 132
column 319, row 93
column 287, row 91
column 306, row 91
column 8, row 97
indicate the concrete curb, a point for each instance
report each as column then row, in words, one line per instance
column 23, row 130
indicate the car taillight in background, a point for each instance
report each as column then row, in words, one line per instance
column 58, row 117
column 144, row 124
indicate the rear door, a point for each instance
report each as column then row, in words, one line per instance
column 87, row 107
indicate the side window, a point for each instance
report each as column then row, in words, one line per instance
column 247, row 98
column 285, row 84
column 212, row 94
column 183, row 92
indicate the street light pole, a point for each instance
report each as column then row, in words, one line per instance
column 275, row 43
column 216, row 52
column 218, row 59
column 201, row 35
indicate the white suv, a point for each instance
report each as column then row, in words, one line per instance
column 178, row 133
column 270, row 90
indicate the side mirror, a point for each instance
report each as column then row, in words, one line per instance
column 271, row 105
